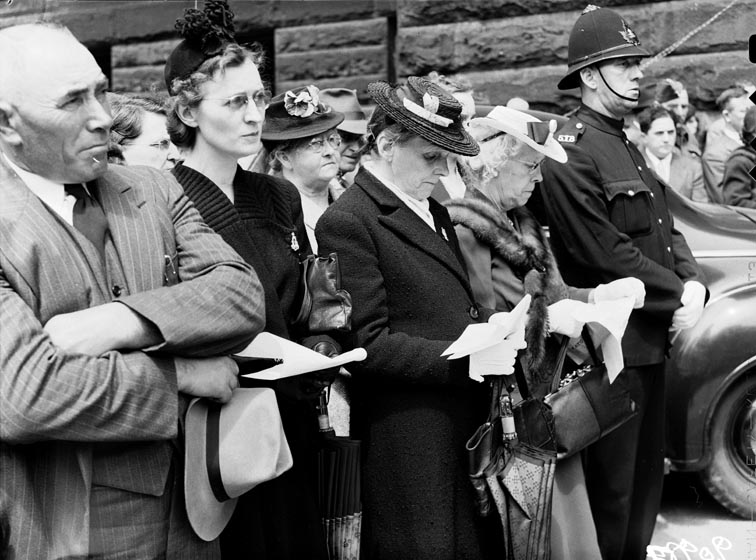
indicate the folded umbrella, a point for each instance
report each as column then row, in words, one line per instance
column 339, row 490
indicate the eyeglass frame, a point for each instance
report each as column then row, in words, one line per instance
column 162, row 145
column 352, row 138
column 261, row 106
column 323, row 141
column 531, row 166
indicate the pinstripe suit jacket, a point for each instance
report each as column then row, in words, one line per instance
column 68, row 420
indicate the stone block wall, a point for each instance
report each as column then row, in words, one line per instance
column 505, row 48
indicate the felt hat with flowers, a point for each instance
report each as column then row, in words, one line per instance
column 427, row 110
column 298, row 113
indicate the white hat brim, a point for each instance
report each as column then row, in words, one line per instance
column 551, row 148
column 207, row 515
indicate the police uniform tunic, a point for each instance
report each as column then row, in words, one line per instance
column 609, row 219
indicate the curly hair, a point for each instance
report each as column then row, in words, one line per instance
column 494, row 153
column 277, row 147
column 128, row 114
column 187, row 91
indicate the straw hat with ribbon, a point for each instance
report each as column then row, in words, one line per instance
column 427, row 110
column 534, row 132
column 230, row 449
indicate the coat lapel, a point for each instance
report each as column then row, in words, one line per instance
column 134, row 233
column 398, row 218
column 38, row 242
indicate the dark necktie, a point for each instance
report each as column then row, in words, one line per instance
column 88, row 217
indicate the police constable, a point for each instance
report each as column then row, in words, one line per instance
column 609, row 219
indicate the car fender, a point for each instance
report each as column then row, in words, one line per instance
column 705, row 361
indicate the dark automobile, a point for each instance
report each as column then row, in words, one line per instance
column 711, row 380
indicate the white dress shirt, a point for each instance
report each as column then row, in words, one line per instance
column 661, row 166
column 51, row 193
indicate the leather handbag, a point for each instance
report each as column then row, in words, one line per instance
column 584, row 405
column 325, row 306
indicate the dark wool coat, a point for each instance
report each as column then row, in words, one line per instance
column 278, row 519
column 413, row 409
column 609, row 219
column 494, row 244
column 738, row 187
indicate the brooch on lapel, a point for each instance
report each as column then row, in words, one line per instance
column 443, row 234
column 294, row 242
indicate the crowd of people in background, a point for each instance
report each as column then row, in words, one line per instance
column 384, row 178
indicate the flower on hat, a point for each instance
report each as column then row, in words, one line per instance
column 304, row 103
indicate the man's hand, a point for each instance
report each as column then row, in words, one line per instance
column 214, row 378
column 624, row 287
column 94, row 331
column 692, row 300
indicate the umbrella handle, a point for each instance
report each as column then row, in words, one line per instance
column 324, row 421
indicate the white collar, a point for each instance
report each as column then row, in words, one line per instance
column 419, row 207
column 51, row 193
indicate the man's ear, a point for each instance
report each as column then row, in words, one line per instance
column 589, row 77
column 187, row 115
column 8, row 122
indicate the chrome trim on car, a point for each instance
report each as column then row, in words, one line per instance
column 724, row 254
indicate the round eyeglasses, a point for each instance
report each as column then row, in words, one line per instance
column 261, row 99
column 162, row 145
column 316, row 145
column 532, row 166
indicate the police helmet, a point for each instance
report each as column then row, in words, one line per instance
column 599, row 34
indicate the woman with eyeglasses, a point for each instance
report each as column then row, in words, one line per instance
column 507, row 256
column 303, row 147
column 138, row 135
column 218, row 107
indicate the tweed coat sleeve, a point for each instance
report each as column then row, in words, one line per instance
column 580, row 215
column 218, row 307
column 393, row 355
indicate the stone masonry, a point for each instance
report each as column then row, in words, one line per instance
column 505, row 48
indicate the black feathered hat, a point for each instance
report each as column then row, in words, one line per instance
column 205, row 34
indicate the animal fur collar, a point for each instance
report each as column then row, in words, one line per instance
column 525, row 249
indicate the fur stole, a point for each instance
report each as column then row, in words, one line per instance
column 525, row 249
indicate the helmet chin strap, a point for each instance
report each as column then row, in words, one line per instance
column 612, row 90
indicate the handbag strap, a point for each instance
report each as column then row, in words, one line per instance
column 588, row 341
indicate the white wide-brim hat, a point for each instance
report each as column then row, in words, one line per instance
column 532, row 131
column 230, row 449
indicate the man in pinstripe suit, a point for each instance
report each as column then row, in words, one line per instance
column 97, row 342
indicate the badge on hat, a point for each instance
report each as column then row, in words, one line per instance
column 629, row 35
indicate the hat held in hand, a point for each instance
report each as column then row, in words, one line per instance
column 230, row 449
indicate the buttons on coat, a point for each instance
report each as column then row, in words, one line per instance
column 117, row 290
column 473, row 311
column 579, row 125
column 631, row 192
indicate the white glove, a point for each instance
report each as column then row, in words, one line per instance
column 562, row 318
column 498, row 359
column 692, row 301
column 624, row 287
